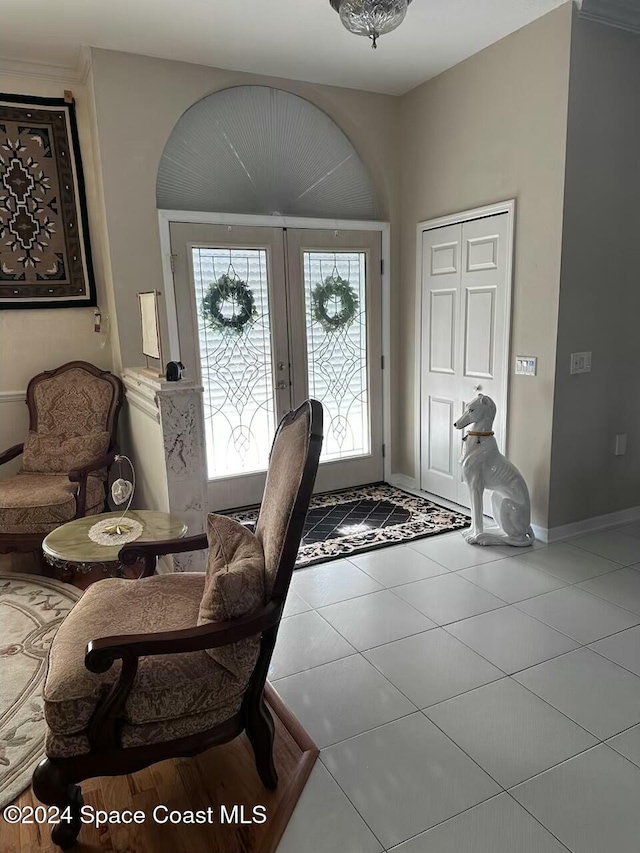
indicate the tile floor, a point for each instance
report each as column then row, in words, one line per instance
column 468, row 700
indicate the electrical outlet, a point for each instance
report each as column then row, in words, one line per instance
column 621, row 444
column 526, row 365
column 580, row 362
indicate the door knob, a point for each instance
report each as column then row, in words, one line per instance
column 281, row 385
column 477, row 387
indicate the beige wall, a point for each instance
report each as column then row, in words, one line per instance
column 36, row 340
column 138, row 100
column 490, row 129
column 600, row 291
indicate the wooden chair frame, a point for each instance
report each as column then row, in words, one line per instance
column 54, row 780
column 25, row 542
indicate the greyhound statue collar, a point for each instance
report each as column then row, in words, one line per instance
column 477, row 434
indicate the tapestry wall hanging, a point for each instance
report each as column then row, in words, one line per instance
column 45, row 256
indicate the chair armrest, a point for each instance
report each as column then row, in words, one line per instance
column 102, row 653
column 131, row 554
column 103, row 729
column 79, row 474
column 11, row 453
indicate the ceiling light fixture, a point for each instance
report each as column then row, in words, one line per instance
column 371, row 18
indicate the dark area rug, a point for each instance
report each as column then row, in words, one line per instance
column 353, row 521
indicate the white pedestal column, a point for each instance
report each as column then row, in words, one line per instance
column 164, row 433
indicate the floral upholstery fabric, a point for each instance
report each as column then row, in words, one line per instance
column 38, row 503
column 55, row 454
column 167, row 687
column 66, row 746
column 73, row 403
column 286, row 467
column 234, row 587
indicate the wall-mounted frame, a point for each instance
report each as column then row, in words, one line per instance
column 45, row 254
column 150, row 324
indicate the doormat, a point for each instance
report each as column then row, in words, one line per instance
column 353, row 521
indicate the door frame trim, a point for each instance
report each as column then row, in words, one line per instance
column 166, row 217
column 508, row 207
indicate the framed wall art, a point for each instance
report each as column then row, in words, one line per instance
column 150, row 320
column 45, row 254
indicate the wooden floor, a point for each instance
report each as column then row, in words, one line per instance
column 224, row 775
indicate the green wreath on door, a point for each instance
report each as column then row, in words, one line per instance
column 229, row 289
column 334, row 287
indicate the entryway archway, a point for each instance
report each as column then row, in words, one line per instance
column 273, row 308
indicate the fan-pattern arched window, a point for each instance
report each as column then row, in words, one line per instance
column 255, row 149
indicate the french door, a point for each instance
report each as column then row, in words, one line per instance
column 268, row 317
column 465, row 289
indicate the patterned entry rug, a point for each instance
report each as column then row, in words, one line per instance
column 365, row 518
column 31, row 611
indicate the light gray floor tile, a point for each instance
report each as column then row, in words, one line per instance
column 448, row 598
column 341, row 699
column 590, row 803
column 568, row 563
column 452, row 551
column 621, row 587
column 406, row 777
column 324, row 821
column 630, row 529
column 398, row 565
column 305, row 641
column 432, row 667
column 622, row 648
column 511, row 579
column 331, row 582
column 372, row 620
column 580, row 615
column 611, row 545
column 628, row 744
column 599, row 695
column 511, row 639
column 508, row 731
column 499, row 825
column 295, row 605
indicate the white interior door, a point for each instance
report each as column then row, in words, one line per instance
column 253, row 375
column 464, row 348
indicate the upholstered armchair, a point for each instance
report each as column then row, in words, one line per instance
column 170, row 665
column 73, row 415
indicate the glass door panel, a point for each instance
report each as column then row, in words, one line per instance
column 235, row 357
column 232, row 320
column 337, row 370
column 335, row 331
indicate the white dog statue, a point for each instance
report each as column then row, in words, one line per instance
column 484, row 467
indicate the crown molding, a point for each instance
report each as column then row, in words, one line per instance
column 77, row 73
column 623, row 14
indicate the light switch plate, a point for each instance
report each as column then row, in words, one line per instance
column 580, row 362
column 526, row 365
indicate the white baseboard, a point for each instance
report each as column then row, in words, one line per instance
column 587, row 525
column 403, row 481
column 409, row 484
column 542, row 534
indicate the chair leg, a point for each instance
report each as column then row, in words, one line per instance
column 261, row 732
column 52, row 789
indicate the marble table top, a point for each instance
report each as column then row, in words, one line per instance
column 70, row 542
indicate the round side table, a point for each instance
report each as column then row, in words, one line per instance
column 69, row 550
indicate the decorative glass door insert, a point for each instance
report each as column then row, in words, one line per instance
column 268, row 317
column 336, row 343
column 236, row 369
